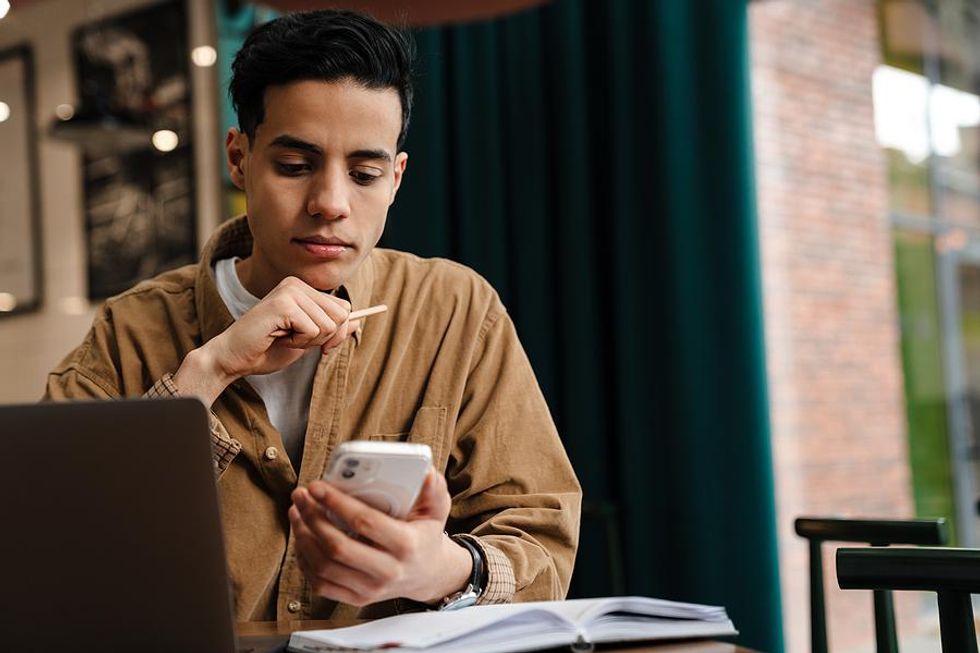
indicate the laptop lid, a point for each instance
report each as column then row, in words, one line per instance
column 110, row 536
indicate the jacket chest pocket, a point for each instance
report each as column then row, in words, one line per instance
column 428, row 427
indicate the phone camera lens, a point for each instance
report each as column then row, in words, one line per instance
column 348, row 473
column 352, row 462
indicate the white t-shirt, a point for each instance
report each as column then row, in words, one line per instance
column 286, row 393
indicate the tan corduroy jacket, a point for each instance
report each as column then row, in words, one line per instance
column 443, row 367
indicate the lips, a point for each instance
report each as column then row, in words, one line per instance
column 323, row 247
column 323, row 240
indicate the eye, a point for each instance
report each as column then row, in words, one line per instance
column 292, row 169
column 363, row 178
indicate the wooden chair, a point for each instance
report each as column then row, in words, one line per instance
column 877, row 533
column 952, row 573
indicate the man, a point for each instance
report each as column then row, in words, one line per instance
column 259, row 330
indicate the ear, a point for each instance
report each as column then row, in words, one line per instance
column 236, row 151
column 401, row 160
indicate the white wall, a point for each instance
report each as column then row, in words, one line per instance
column 32, row 344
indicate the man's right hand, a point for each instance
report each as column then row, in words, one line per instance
column 274, row 334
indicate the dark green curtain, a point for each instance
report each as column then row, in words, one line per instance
column 593, row 161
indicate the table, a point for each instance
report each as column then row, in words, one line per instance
column 271, row 637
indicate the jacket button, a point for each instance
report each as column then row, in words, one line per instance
column 294, row 606
column 271, row 453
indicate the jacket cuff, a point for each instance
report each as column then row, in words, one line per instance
column 500, row 572
column 500, row 579
column 224, row 448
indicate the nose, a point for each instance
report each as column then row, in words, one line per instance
column 329, row 198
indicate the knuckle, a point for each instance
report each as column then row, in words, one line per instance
column 390, row 575
column 343, row 555
column 411, row 541
column 333, row 548
column 400, row 573
column 404, row 547
column 282, row 302
column 376, row 584
column 361, row 523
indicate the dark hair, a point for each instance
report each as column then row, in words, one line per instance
column 328, row 45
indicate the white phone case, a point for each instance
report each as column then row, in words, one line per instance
column 385, row 475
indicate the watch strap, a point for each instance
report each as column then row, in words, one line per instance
column 476, row 578
column 474, row 588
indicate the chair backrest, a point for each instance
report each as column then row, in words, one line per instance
column 877, row 533
column 953, row 574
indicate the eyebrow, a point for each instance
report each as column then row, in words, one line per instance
column 370, row 154
column 293, row 143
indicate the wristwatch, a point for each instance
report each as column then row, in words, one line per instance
column 469, row 594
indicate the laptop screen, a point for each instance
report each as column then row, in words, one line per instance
column 111, row 531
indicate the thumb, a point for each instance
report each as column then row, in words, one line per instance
column 346, row 329
column 434, row 501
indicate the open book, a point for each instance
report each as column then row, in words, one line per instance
column 524, row 627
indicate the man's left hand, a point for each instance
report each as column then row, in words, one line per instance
column 390, row 558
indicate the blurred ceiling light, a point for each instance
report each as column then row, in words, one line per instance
column 919, row 118
column 64, row 111
column 204, row 56
column 4, row 8
column 74, row 305
column 4, row 111
column 165, row 140
column 7, row 302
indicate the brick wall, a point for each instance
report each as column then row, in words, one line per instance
column 830, row 302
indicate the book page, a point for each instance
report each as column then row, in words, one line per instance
column 427, row 629
column 524, row 626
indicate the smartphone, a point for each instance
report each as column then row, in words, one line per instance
column 385, row 475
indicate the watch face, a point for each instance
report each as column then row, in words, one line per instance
column 459, row 600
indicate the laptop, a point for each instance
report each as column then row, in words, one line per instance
column 110, row 536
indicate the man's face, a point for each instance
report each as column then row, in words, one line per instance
column 318, row 177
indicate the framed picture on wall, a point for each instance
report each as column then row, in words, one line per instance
column 20, row 232
column 134, row 69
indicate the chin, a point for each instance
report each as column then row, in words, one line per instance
column 322, row 281
column 323, row 275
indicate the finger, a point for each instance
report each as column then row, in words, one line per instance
column 352, row 579
column 337, row 545
column 315, row 566
column 291, row 319
column 323, row 321
column 318, row 567
column 352, row 327
column 306, row 544
column 343, row 329
column 387, row 533
column 338, row 309
column 336, row 592
column 434, row 501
